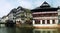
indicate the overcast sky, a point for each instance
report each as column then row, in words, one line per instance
column 7, row 5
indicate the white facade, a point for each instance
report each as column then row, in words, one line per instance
column 4, row 19
column 10, row 16
column 51, row 24
column 50, row 18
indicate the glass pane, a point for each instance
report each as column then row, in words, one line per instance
column 43, row 21
column 48, row 21
column 53, row 21
column 37, row 21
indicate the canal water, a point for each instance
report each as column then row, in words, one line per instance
column 4, row 29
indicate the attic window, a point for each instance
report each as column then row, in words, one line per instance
column 45, row 4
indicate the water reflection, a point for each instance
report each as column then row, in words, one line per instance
column 2, row 25
column 4, row 29
column 45, row 31
column 24, row 30
column 11, row 30
column 7, row 30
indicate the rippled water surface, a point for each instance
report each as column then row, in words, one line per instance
column 27, row 30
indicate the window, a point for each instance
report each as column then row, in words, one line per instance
column 53, row 21
column 43, row 21
column 48, row 21
column 37, row 21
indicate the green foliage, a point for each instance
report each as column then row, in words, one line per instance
column 26, row 15
column 27, row 11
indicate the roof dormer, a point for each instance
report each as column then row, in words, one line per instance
column 45, row 4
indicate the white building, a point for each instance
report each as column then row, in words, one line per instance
column 11, row 15
column 19, row 12
column 45, row 16
column 4, row 18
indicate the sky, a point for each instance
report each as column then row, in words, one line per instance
column 7, row 5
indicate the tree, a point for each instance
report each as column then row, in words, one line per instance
column 28, row 16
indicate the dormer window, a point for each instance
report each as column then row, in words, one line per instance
column 45, row 4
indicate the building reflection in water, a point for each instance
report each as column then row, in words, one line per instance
column 45, row 31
